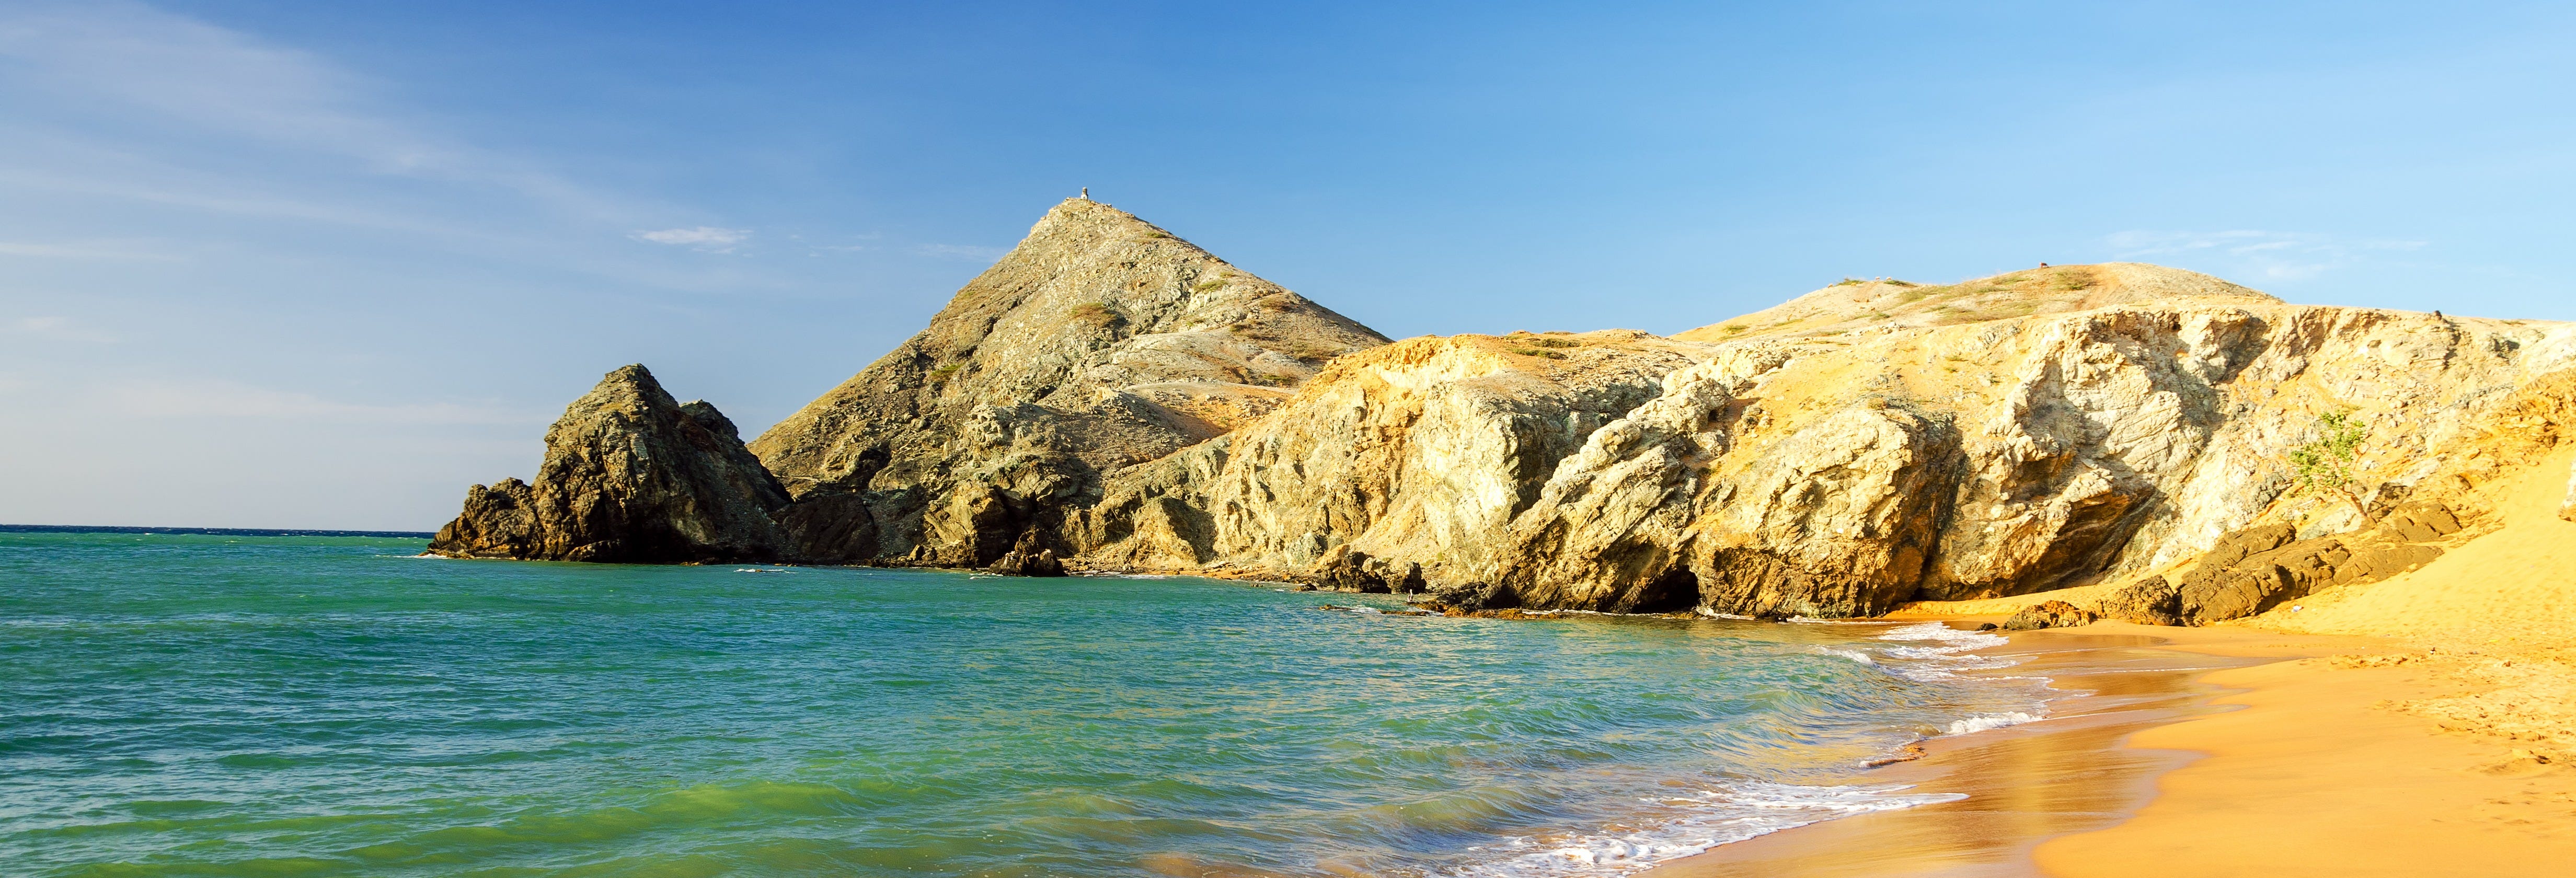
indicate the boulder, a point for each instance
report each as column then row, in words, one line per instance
column 2149, row 601
column 2049, row 614
column 1027, row 558
column 1354, row 570
column 630, row 475
column 2419, row 521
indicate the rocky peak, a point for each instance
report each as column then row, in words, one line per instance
column 630, row 475
column 1101, row 341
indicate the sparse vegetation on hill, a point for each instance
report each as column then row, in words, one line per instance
column 2324, row 465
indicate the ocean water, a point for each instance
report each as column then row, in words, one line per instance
column 206, row 704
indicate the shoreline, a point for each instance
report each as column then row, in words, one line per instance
column 2197, row 751
column 2418, row 725
column 2023, row 784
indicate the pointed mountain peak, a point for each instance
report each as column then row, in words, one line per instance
column 1099, row 341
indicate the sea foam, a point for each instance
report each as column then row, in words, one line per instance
column 1697, row 822
column 1984, row 721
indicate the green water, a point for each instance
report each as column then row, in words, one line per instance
column 213, row 705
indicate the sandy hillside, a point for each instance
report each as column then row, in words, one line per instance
column 2496, row 616
column 1856, row 304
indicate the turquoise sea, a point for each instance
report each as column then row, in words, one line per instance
column 310, row 706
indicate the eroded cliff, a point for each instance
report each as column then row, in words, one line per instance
column 1859, row 448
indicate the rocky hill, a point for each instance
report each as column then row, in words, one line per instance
column 1100, row 342
column 1114, row 395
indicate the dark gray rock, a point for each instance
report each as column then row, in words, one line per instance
column 1028, row 558
column 630, row 476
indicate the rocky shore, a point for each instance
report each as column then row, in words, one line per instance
column 1109, row 397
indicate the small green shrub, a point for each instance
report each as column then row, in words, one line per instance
column 2324, row 465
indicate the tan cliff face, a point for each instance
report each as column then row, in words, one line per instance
column 1845, row 462
column 1115, row 396
column 1100, row 342
column 1421, row 447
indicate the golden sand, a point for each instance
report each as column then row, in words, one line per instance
column 2423, row 725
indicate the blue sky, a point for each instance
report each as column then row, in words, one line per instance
column 305, row 264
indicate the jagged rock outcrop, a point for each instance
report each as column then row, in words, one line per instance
column 1866, row 447
column 2257, row 568
column 2049, row 614
column 1100, row 342
column 630, row 476
column 1028, row 558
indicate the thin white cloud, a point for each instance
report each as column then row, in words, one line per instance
column 2272, row 255
column 227, row 399
column 56, row 328
column 708, row 238
column 138, row 64
column 959, row 251
column 78, row 251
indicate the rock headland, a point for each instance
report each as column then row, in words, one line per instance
column 630, row 476
column 1110, row 397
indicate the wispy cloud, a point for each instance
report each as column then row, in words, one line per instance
column 56, row 328
column 152, row 70
column 227, row 399
column 707, row 238
column 2273, row 255
column 959, row 251
column 80, row 251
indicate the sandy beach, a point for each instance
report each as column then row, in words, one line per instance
column 2421, row 725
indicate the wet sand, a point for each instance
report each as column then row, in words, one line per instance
column 2223, row 751
column 2024, row 783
